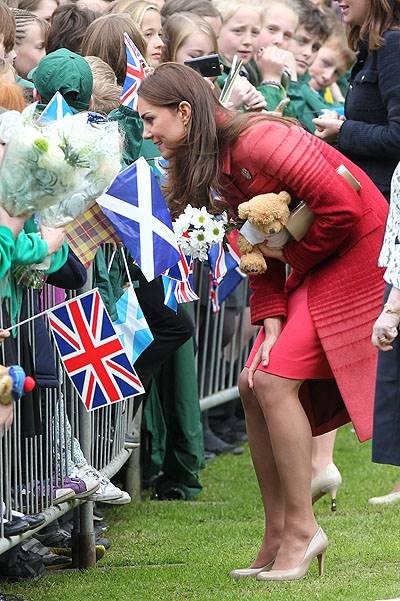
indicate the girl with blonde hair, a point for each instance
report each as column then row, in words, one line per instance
column 187, row 36
column 147, row 18
column 106, row 92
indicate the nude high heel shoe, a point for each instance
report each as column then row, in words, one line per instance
column 250, row 572
column 316, row 548
column 326, row 481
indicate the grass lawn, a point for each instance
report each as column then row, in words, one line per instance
column 176, row 551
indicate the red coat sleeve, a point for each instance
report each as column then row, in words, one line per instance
column 268, row 298
column 297, row 160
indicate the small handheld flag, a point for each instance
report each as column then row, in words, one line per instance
column 131, row 325
column 92, row 353
column 135, row 74
column 56, row 109
column 136, row 207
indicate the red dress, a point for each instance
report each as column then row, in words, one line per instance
column 338, row 254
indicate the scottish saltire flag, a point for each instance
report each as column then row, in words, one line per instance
column 131, row 325
column 220, row 290
column 136, row 207
column 135, row 65
column 92, row 353
column 169, row 293
column 159, row 166
column 56, row 109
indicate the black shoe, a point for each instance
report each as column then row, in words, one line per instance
column 34, row 520
column 233, row 437
column 169, row 494
column 214, row 444
column 56, row 538
column 15, row 526
column 21, row 564
column 209, row 456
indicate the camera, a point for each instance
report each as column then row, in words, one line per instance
column 207, row 66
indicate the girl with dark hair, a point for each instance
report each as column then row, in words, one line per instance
column 68, row 26
column 312, row 366
column 370, row 134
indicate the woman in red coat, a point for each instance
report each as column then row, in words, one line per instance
column 312, row 367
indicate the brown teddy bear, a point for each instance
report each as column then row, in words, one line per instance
column 268, row 213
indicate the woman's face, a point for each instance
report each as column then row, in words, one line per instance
column 151, row 29
column 354, row 11
column 279, row 28
column 164, row 126
column 31, row 50
column 195, row 45
column 239, row 34
column 45, row 9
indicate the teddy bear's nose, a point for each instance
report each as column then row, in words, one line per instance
column 272, row 231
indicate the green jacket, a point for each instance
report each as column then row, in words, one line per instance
column 6, row 250
column 29, row 249
column 131, row 125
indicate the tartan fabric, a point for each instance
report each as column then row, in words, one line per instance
column 86, row 233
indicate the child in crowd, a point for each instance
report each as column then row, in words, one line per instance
column 105, row 38
column 30, row 41
column 202, row 8
column 43, row 9
column 68, row 26
column 106, row 92
column 147, row 17
column 11, row 95
column 333, row 60
column 187, row 36
column 7, row 33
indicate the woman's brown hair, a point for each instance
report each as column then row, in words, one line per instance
column 7, row 27
column 105, row 38
column 194, row 171
column 381, row 16
column 177, row 28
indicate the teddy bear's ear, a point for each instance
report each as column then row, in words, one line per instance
column 285, row 196
column 243, row 210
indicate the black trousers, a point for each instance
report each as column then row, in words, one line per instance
column 386, row 433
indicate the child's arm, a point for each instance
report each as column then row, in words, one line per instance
column 10, row 227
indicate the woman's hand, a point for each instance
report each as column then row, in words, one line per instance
column 54, row 236
column 272, row 327
column 327, row 129
column 273, row 253
column 385, row 330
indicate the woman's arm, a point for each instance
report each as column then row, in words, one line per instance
column 368, row 138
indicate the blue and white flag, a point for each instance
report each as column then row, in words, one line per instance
column 137, row 210
column 169, row 293
column 56, row 109
column 131, row 325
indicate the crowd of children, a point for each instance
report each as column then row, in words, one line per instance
column 295, row 63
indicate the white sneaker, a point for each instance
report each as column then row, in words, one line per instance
column 392, row 497
column 92, row 483
column 122, row 500
column 107, row 490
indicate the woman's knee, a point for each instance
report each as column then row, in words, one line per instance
column 246, row 393
column 269, row 388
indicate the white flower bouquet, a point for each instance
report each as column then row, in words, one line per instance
column 197, row 230
column 99, row 145
column 65, row 162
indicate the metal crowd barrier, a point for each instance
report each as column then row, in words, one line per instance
column 31, row 466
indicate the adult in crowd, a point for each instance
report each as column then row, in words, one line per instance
column 314, row 340
column 43, row 9
column 370, row 134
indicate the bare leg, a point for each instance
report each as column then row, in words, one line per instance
column 290, row 437
column 322, row 451
column 267, row 475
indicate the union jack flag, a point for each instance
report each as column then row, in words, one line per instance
column 135, row 66
column 178, row 282
column 92, row 353
column 222, row 288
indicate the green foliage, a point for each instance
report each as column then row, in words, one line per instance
column 183, row 551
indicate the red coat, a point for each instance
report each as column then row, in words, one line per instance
column 339, row 251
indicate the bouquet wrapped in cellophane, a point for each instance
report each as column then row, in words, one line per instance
column 67, row 162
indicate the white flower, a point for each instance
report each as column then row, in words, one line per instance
column 215, row 231
column 200, row 218
column 181, row 224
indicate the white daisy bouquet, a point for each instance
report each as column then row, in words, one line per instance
column 197, row 230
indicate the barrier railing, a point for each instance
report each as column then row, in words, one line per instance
column 33, row 464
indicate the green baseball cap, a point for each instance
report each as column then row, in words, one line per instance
column 65, row 72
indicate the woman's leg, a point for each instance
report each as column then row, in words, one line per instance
column 267, row 475
column 322, row 451
column 290, row 436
